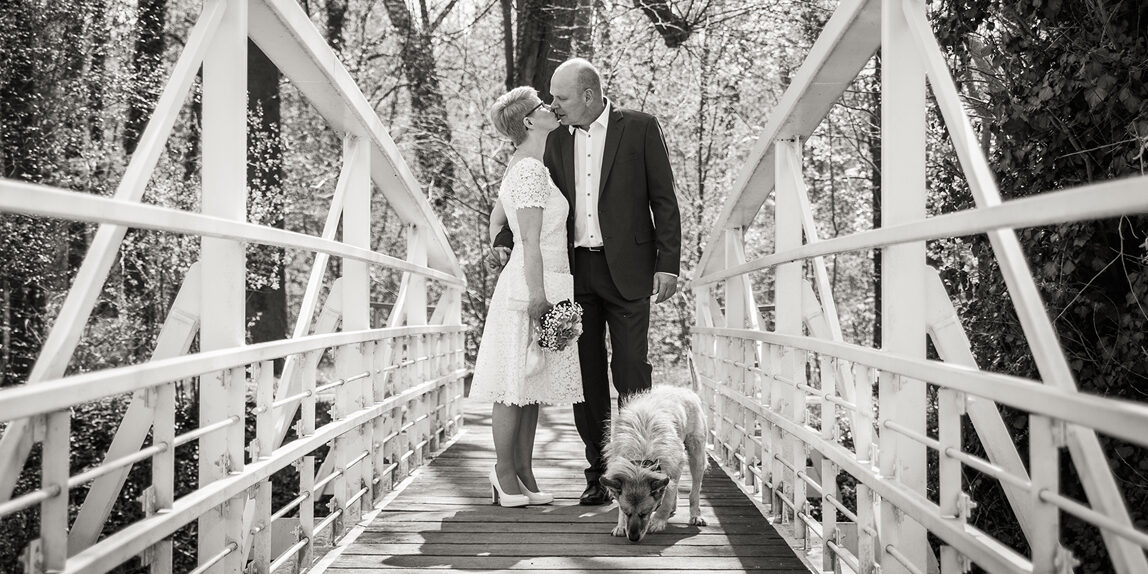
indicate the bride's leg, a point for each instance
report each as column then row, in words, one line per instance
column 505, row 422
column 524, row 446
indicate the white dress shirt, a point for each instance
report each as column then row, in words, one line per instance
column 588, row 149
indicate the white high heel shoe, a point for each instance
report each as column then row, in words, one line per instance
column 501, row 498
column 535, row 497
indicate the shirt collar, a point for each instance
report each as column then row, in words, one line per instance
column 603, row 118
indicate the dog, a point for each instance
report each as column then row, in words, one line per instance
column 652, row 438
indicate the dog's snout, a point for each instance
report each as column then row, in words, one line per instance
column 634, row 536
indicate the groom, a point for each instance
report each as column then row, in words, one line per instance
column 624, row 237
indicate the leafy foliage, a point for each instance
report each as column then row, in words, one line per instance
column 1061, row 88
column 1058, row 89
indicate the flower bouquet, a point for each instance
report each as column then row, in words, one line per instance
column 560, row 326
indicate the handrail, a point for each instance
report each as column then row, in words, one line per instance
column 48, row 201
column 141, row 535
column 1094, row 201
column 841, row 51
column 49, row 396
column 285, row 33
column 753, row 379
column 1122, row 419
column 372, row 164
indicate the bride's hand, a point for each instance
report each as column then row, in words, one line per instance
column 537, row 307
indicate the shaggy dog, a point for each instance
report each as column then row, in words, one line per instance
column 651, row 439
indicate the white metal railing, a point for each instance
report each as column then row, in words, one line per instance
column 794, row 408
column 395, row 391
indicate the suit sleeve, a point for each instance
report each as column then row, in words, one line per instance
column 505, row 238
column 663, row 201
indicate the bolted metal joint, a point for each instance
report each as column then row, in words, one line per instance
column 965, row 506
column 1064, row 561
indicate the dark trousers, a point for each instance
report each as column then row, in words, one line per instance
column 629, row 324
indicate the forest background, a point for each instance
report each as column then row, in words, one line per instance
column 1057, row 90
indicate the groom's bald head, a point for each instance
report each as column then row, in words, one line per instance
column 582, row 73
column 577, row 90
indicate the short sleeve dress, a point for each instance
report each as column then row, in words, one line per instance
column 507, row 370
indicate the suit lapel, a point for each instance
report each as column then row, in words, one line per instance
column 566, row 153
column 613, row 137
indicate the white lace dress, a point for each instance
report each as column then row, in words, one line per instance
column 502, row 371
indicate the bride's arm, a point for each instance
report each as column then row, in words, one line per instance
column 497, row 220
column 530, row 224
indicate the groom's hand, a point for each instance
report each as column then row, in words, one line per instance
column 497, row 257
column 665, row 285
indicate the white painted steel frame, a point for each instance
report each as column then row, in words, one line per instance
column 223, row 292
column 239, row 524
column 61, row 342
column 48, row 201
column 911, row 54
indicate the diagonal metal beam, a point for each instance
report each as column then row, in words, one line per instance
column 846, row 44
column 285, row 33
column 1083, row 444
column 65, row 334
column 174, row 339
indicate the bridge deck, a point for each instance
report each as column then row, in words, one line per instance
column 443, row 519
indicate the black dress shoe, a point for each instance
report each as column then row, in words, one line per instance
column 595, row 495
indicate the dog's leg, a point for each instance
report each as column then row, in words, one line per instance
column 620, row 529
column 696, row 449
column 669, row 501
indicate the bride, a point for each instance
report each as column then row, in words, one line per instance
column 511, row 370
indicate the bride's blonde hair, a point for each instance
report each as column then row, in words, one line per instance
column 510, row 109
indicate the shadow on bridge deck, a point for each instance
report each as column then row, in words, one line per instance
column 443, row 519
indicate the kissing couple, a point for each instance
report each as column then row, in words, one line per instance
column 586, row 212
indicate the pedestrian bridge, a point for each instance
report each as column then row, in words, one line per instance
column 365, row 465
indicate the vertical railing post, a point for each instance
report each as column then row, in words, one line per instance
column 950, row 410
column 367, row 468
column 777, row 403
column 751, row 445
column 1046, row 436
column 342, row 448
column 224, row 275
column 735, row 318
column 356, row 317
column 828, row 469
column 903, row 284
column 799, row 450
column 768, row 374
column 162, row 490
column 863, row 445
column 261, row 448
column 306, row 512
column 380, row 351
column 787, row 299
column 55, row 470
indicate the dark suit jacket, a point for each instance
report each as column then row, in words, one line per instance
column 637, row 205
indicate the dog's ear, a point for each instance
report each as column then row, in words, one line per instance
column 658, row 486
column 610, row 483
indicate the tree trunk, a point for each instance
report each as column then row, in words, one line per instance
column 431, row 128
column 190, row 160
column 267, row 293
column 336, row 19
column 875, row 185
column 147, row 83
column 146, row 67
column 548, row 34
column 22, row 149
column 674, row 29
column 508, row 42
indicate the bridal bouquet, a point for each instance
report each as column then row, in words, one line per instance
column 560, row 326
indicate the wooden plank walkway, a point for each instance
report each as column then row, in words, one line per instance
column 443, row 519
